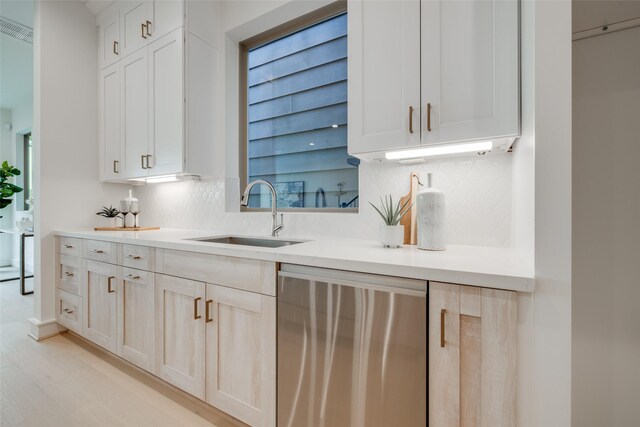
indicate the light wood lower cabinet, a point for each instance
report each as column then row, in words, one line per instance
column 99, row 304
column 472, row 356
column 241, row 354
column 135, row 317
column 180, row 338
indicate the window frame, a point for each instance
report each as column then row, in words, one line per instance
column 324, row 13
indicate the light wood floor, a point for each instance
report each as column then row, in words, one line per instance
column 57, row 382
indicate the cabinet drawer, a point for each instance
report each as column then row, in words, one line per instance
column 68, row 274
column 70, row 246
column 68, row 308
column 141, row 257
column 240, row 273
column 134, row 275
column 100, row 251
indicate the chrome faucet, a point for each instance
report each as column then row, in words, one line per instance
column 275, row 227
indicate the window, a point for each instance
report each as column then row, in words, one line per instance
column 294, row 127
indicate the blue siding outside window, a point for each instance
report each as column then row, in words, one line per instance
column 297, row 119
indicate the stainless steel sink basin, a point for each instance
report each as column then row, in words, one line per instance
column 249, row 241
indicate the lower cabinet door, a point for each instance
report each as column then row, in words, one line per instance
column 136, row 313
column 472, row 356
column 99, row 304
column 241, row 354
column 180, row 337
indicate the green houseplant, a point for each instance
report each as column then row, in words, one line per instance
column 109, row 212
column 391, row 233
column 7, row 189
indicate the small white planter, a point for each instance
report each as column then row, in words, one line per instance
column 392, row 236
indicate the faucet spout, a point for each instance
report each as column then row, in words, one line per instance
column 275, row 226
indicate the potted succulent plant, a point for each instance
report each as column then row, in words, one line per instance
column 391, row 233
column 6, row 188
column 110, row 212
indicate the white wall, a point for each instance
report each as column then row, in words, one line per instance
column 66, row 184
column 606, row 210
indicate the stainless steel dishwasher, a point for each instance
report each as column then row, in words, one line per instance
column 352, row 349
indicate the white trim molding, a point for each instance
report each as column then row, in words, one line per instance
column 39, row 330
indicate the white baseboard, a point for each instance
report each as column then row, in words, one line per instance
column 40, row 330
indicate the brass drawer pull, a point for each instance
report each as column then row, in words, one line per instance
column 68, row 246
column 69, row 311
column 66, row 273
column 97, row 251
column 442, row 317
column 207, row 311
column 131, row 276
column 196, row 316
column 136, row 257
column 109, row 284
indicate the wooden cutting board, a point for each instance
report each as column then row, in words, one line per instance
column 128, row 228
column 409, row 219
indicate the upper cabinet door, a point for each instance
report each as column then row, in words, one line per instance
column 166, row 104
column 384, row 75
column 109, row 138
column 135, row 114
column 167, row 16
column 135, row 17
column 109, row 25
column 470, row 70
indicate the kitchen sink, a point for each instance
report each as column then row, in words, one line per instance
column 249, row 241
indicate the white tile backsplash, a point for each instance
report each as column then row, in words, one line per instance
column 478, row 191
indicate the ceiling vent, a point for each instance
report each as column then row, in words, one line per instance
column 16, row 30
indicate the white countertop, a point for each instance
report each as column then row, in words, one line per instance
column 499, row 268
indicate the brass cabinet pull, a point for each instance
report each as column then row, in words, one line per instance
column 410, row 119
column 116, row 166
column 69, row 311
column 136, row 257
column 66, row 273
column 442, row 316
column 131, row 276
column 109, row 283
column 142, row 158
column 429, row 119
column 68, row 246
column 142, row 30
column 148, row 28
column 196, row 316
column 148, row 156
column 115, row 47
column 97, row 251
column 207, row 304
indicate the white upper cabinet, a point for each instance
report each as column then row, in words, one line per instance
column 109, row 123
column 109, row 27
column 166, row 104
column 454, row 64
column 135, row 114
column 384, row 75
column 470, row 70
column 137, row 25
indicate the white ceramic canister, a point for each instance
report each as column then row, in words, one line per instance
column 431, row 221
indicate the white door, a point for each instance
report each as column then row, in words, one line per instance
column 180, row 336
column 470, row 70
column 135, row 114
column 384, row 75
column 241, row 354
column 166, row 104
column 136, row 317
column 135, row 17
column 167, row 16
column 99, row 304
column 109, row 36
column 109, row 122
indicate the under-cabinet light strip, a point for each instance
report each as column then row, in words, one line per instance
column 440, row 150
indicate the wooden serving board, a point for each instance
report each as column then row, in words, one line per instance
column 127, row 228
column 409, row 219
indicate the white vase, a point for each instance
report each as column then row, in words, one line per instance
column 431, row 221
column 392, row 236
